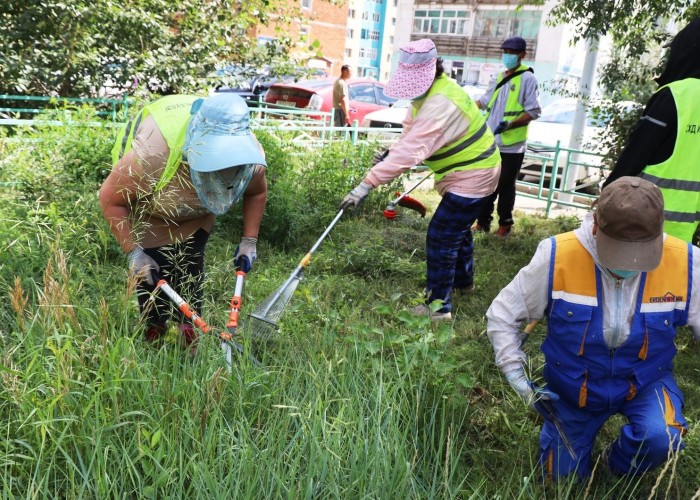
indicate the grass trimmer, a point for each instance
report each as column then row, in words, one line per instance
column 264, row 319
column 227, row 342
column 406, row 201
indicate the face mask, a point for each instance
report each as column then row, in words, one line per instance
column 624, row 274
column 220, row 190
column 510, row 61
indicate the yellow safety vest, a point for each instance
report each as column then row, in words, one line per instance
column 513, row 107
column 477, row 149
column 171, row 114
column 679, row 177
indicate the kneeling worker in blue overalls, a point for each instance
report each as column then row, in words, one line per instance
column 613, row 291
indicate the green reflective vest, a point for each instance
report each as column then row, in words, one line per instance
column 172, row 114
column 513, row 107
column 477, row 149
column 679, row 177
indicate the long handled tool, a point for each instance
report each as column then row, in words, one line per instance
column 264, row 319
column 406, row 201
column 192, row 315
column 232, row 325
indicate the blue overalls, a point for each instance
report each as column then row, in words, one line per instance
column 595, row 382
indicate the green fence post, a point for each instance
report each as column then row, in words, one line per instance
column 553, row 179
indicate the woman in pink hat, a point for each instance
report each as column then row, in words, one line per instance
column 444, row 130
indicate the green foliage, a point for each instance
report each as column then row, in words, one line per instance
column 355, row 399
column 76, row 48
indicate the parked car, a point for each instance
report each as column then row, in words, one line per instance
column 253, row 83
column 317, row 95
column 392, row 119
column 555, row 125
column 556, row 122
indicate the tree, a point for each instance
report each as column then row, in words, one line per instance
column 638, row 29
column 76, row 47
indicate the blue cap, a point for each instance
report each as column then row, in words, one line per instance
column 219, row 135
column 515, row 43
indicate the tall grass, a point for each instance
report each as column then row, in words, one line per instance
column 356, row 398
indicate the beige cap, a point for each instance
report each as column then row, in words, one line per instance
column 630, row 219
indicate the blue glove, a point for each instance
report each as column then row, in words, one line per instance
column 245, row 254
column 501, row 127
column 544, row 401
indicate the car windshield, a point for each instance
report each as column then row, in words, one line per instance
column 563, row 112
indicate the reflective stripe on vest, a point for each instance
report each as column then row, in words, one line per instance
column 171, row 114
column 513, row 107
column 677, row 177
column 579, row 366
column 477, row 149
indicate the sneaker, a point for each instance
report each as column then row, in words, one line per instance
column 503, row 232
column 188, row 338
column 478, row 228
column 154, row 333
column 424, row 310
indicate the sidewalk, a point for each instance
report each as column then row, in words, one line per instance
column 523, row 204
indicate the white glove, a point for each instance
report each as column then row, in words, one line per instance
column 356, row 196
column 141, row 265
column 245, row 254
column 527, row 391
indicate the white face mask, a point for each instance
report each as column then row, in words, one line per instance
column 220, row 190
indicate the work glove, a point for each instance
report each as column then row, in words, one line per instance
column 245, row 254
column 356, row 196
column 501, row 127
column 142, row 265
column 537, row 397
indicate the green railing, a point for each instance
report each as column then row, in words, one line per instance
column 560, row 175
column 116, row 109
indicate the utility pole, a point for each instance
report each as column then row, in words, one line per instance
column 584, row 91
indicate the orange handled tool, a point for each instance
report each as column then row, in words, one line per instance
column 236, row 303
column 226, row 338
column 184, row 307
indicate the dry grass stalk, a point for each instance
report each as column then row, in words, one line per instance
column 19, row 301
column 55, row 296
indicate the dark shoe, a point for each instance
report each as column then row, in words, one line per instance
column 478, row 228
column 466, row 290
column 503, row 232
column 188, row 338
column 154, row 333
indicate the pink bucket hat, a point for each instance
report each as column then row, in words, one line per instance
column 416, row 70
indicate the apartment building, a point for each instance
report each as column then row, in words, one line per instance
column 370, row 40
column 468, row 35
column 323, row 21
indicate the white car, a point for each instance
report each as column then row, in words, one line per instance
column 391, row 119
column 556, row 122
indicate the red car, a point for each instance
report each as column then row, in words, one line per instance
column 365, row 96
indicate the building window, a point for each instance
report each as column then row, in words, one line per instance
column 441, row 22
column 388, row 58
column 304, row 31
column 365, row 15
column 348, row 52
column 502, row 23
column 350, row 33
column 362, row 52
column 364, row 34
column 376, row 17
column 351, row 13
column 305, row 4
column 374, row 35
column 391, row 40
column 393, row 21
column 396, row 3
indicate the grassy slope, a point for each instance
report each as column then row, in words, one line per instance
column 357, row 399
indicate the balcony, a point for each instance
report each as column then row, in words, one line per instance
column 476, row 46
